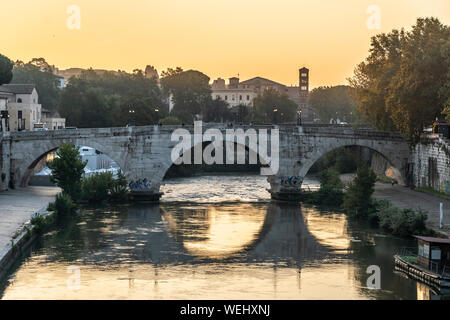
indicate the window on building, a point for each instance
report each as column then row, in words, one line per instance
column 19, row 114
column 304, row 88
column 226, row 97
column 240, row 97
column 304, row 74
column 217, row 97
column 232, row 97
column 248, row 97
column 19, row 100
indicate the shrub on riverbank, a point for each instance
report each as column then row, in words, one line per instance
column 330, row 192
column 41, row 223
column 95, row 188
column 119, row 189
column 324, row 196
column 103, row 187
column 62, row 205
column 357, row 198
column 401, row 222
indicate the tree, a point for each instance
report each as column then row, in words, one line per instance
column 273, row 107
column 329, row 178
column 111, row 99
column 67, row 170
column 6, row 67
column 217, row 111
column 333, row 103
column 190, row 90
column 446, row 112
column 39, row 73
column 401, row 84
column 357, row 197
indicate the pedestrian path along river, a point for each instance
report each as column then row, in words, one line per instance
column 16, row 208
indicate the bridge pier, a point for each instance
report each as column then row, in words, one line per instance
column 286, row 188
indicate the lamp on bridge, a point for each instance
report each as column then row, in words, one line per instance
column 157, row 115
column 132, row 113
column 275, row 115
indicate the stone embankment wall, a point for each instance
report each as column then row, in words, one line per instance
column 431, row 161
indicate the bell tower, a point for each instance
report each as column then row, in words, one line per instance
column 303, row 87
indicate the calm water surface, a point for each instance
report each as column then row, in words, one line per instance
column 215, row 237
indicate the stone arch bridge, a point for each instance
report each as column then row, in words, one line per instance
column 145, row 153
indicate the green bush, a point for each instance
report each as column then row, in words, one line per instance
column 119, row 189
column 329, row 178
column 40, row 223
column 330, row 192
column 357, row 197
column 103, row 187
column 325, row 196
column 62, row 205
column 401, row 222
column 96, row 188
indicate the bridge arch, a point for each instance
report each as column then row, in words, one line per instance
column 23, row 168
column 396, row 158
column 262, row 159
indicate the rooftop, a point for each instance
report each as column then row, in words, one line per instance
column 260, row 79
column 18, row 88
column 434, row 240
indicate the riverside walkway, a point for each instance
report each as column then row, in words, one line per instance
column 403, row 197
column 16, row 208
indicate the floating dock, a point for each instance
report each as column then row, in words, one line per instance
column 414, row 271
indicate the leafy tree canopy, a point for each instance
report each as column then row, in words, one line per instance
column 190, row 91
column 112, row 99
column 67, row 170
column 6, row 67
column 38, row 72
column 273, row 107
column 333, row 103
column 404, row 83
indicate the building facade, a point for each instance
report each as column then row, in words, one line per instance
column 22, row 106
column 20, row 110
column 52, row 120
column 233, row 94
column 242, row 93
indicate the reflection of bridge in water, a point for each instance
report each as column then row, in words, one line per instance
column 222, row 250
column 217, row 233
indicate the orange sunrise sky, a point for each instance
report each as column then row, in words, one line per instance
column 222, row 38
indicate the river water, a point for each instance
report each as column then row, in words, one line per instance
column 211, row 237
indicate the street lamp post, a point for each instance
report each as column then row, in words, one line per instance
column 157, row 115
column 275, row 115
column 132, row 113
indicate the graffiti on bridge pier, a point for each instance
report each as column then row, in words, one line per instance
column 291, row 182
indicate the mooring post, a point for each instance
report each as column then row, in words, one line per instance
column 441, row 215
